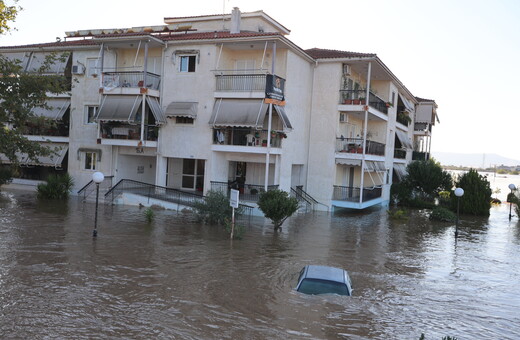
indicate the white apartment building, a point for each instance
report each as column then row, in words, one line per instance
column 183, row 105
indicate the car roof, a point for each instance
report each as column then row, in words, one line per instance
column 325, row 273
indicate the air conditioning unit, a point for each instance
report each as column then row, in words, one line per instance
column 78, row 69
column 346, row 70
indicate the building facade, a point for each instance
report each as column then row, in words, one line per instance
column 183, row 105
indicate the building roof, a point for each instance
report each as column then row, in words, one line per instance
column 319, row 53
column 215, row 35
column 423, row 100
column 64, row 44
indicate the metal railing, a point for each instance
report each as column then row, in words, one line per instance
column 131, row 79
column 56, row 129
column 112, row 130
column 355, row 145
column 420, row 156
column 248, row 192
column 166, row 194
column 400, row 153
column 240, row 82
column 304, row 198
column 90, row 187
column 352, row 194
column 358, row 97
column 247, row 137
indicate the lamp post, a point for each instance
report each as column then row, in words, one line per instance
column 458, row 192
column 512, row 187
column 97, row 177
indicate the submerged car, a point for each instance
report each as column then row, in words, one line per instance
column 317, row 280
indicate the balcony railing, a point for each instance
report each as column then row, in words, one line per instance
column 247, row 137
column 403, row 118
column 113, row 130
column 420, row 156
column 355, row 145
column 423, row 127
column 132, row 79
column 358, row 97
column 400, row 153
column 57, row 129
column 352, row 194
column 248, row 192
column 240, row 82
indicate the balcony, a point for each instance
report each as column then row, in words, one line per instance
column 352, row 194
column 355, row 145
column 404, row 118
column 358, row 97
column 420, row 156
column 113, row 130
column 240, row 82
column 247, row 137
column 248, row 192
column 399, row 153
column 47, row 128
column 131, row 79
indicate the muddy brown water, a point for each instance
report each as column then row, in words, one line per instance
column 178, row 279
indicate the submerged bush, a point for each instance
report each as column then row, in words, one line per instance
column 56, row 187
column 398, row 214
column 5, row 175
column 215, row 208
column 149, row 215
column 477, row 194
column 277, row 206
column 442, row 214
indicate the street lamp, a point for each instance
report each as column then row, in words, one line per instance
column 97, row 177
column 458, row 192
column 512, row 187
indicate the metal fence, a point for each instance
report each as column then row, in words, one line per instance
column 358, row 97
column 240, row 82
column 352, row 194
column 355, row 145
column 131, row 79
column 248, row 192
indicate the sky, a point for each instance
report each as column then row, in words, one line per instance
column 461, row 53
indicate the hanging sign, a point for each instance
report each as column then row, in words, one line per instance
column 274, row 90
column 233, row 198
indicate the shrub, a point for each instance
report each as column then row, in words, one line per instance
column 398, row 214
column 149, row 215
column 57, row 187
column 442, row 214
column 477, row 194
column 5, row 175
column 277, row 206
column 215, row 208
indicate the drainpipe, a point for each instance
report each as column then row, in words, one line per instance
column 269, row 125
column 102, row 61
column 363, row 156
column 143, row 105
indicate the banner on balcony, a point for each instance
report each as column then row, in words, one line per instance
column 274, row 90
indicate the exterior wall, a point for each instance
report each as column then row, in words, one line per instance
column 252, row 24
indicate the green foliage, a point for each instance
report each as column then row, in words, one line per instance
column 398, row 214
column 20, row 93
column 477, row 194
column 57, row 187
column 149, row 215
column 5, row 175
column 424, row 182
column 442, row 214
column 215, row 208
column 7, row 14
column 277, row 206
column 238, row 232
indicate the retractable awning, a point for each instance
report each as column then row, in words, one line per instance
column 346, row 161
column 156, row 109
column 239, row 113
column 182, row 109
column 404, row 139
column 38, row 60
column 400, row 170
column 119, row 108
column 375, row 166
column 55, row 159
column 408, row 106
column 21, row 58
column 283, row 116
column 56, row 108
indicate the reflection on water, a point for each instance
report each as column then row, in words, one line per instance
column 174, row 278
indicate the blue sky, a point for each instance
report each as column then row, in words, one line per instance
column 462, row 53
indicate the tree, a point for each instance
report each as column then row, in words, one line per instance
column 7, row 14
column 477, row 194
column 215, row 208
column 424, row 182
column 277, row 206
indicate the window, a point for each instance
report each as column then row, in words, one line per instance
column 183, row 120
column 90, row 160
column 90, row 114
column 192, row 174
column 93, row 67
column 187, row 63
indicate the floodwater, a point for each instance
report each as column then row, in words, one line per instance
column 177, row 279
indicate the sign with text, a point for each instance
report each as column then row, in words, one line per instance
column 233, row 198
column 274, row 88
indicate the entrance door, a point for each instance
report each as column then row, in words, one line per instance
column 192, row 174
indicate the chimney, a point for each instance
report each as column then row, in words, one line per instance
column 235, row 21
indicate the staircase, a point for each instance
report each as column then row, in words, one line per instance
column 88, row 192
column 307, row 202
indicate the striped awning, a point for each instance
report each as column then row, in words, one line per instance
column 55, row 108
column 375, row 166
column 400, row 170
column 182, row 109
column 404, row 139
column 244, row 113
column 119, row 108
column 346, row 161
column 55, row 159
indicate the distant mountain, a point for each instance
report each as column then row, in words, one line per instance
column 477, row 160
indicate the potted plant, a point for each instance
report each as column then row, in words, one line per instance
column 254, row 191
column 264, row 142
column 389, row 104
column 362, row 101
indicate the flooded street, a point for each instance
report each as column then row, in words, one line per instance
column 177, row 279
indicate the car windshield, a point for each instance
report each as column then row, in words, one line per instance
column 317, row 286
